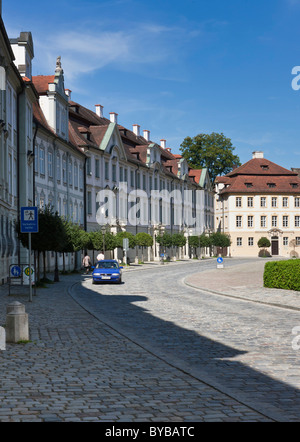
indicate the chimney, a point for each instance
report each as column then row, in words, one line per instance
column 68, row 93
column 99, row 110
column 163, row 144
column 168, row 149
column 113, row 117
column 146, row 135
column 136, row 129
column 257, row 154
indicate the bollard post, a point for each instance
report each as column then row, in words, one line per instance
column 17, row 328
column 2, row 339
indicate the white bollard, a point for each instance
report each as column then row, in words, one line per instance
column 17, row 328
column 2, row 339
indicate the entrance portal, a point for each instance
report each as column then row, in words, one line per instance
column 274, row 246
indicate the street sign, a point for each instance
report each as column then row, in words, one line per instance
column 29, row 220
column 220, row 264
column 26, row 275
column 15, row 271
column 125, row 243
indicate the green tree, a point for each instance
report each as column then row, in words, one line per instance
column 220, row 239
column 143, row 240
column 121, row 235
column 164, row 240
column 264, row 243
column 194, row 242
column 212, row 151
column 50, row 237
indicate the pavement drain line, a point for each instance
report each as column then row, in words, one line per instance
column 268, row 411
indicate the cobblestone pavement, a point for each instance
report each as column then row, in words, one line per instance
column 240, row 343
column 78, row 367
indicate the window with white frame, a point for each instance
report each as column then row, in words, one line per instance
column 297, row 240
column 64, row 170
column 238, row 221
column 50, row 164
column 250, row 241
column 297, row 221
column 285, row 241
column 239, row 242
column 274, row 221
column 250, row 201
column 97, row 168
column 70, row 173
column 263, row 221
column 106, row 170
column 285, row 221
column 274, row 201
column 263, row 201
column 238, row 201
column 285, row 201
column 297, row 201
column 42, row 160
column 58, row 170
column 250, row 221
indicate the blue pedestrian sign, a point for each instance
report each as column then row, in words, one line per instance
column 29, row 220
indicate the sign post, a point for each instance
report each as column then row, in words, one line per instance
column 29, row 224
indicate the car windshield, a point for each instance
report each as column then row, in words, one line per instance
column 107, row 265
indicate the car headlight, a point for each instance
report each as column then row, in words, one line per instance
column 115, row 274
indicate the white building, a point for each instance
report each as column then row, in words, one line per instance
column 260, row 199
column 59, row 164
column 16, row 169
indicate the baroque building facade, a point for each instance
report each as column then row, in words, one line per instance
column 259, row 199
column 17, row 96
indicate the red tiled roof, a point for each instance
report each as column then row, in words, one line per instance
column 196, row 173
column 260, row 166
column 261, row 184
column 41, row 82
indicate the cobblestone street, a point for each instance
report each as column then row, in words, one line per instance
column 151, row 349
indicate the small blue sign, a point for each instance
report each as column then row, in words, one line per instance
column 220, row 260
column 15, row 271
column 29, row 220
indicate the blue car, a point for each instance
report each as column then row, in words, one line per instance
column 107, row 270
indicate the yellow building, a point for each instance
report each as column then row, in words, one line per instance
column 259, row 199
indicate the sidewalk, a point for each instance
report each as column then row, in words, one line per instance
column 244, row 281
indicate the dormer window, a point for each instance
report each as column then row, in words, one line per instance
column 271, row 185
column 294, row 185
column 264, row 167
column 75, row 108
column 248, row 185
column 85, row 132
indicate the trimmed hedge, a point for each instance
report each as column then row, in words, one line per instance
column 283, row 274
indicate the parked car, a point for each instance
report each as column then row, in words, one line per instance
column 107, row 270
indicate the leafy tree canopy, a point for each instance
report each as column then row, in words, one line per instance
column 212, row 151
column 143, row 239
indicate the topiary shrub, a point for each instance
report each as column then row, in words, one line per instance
column 283, row 274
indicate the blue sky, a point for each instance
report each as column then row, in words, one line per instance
column 177, row 68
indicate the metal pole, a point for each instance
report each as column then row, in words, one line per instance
column 30, row 285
